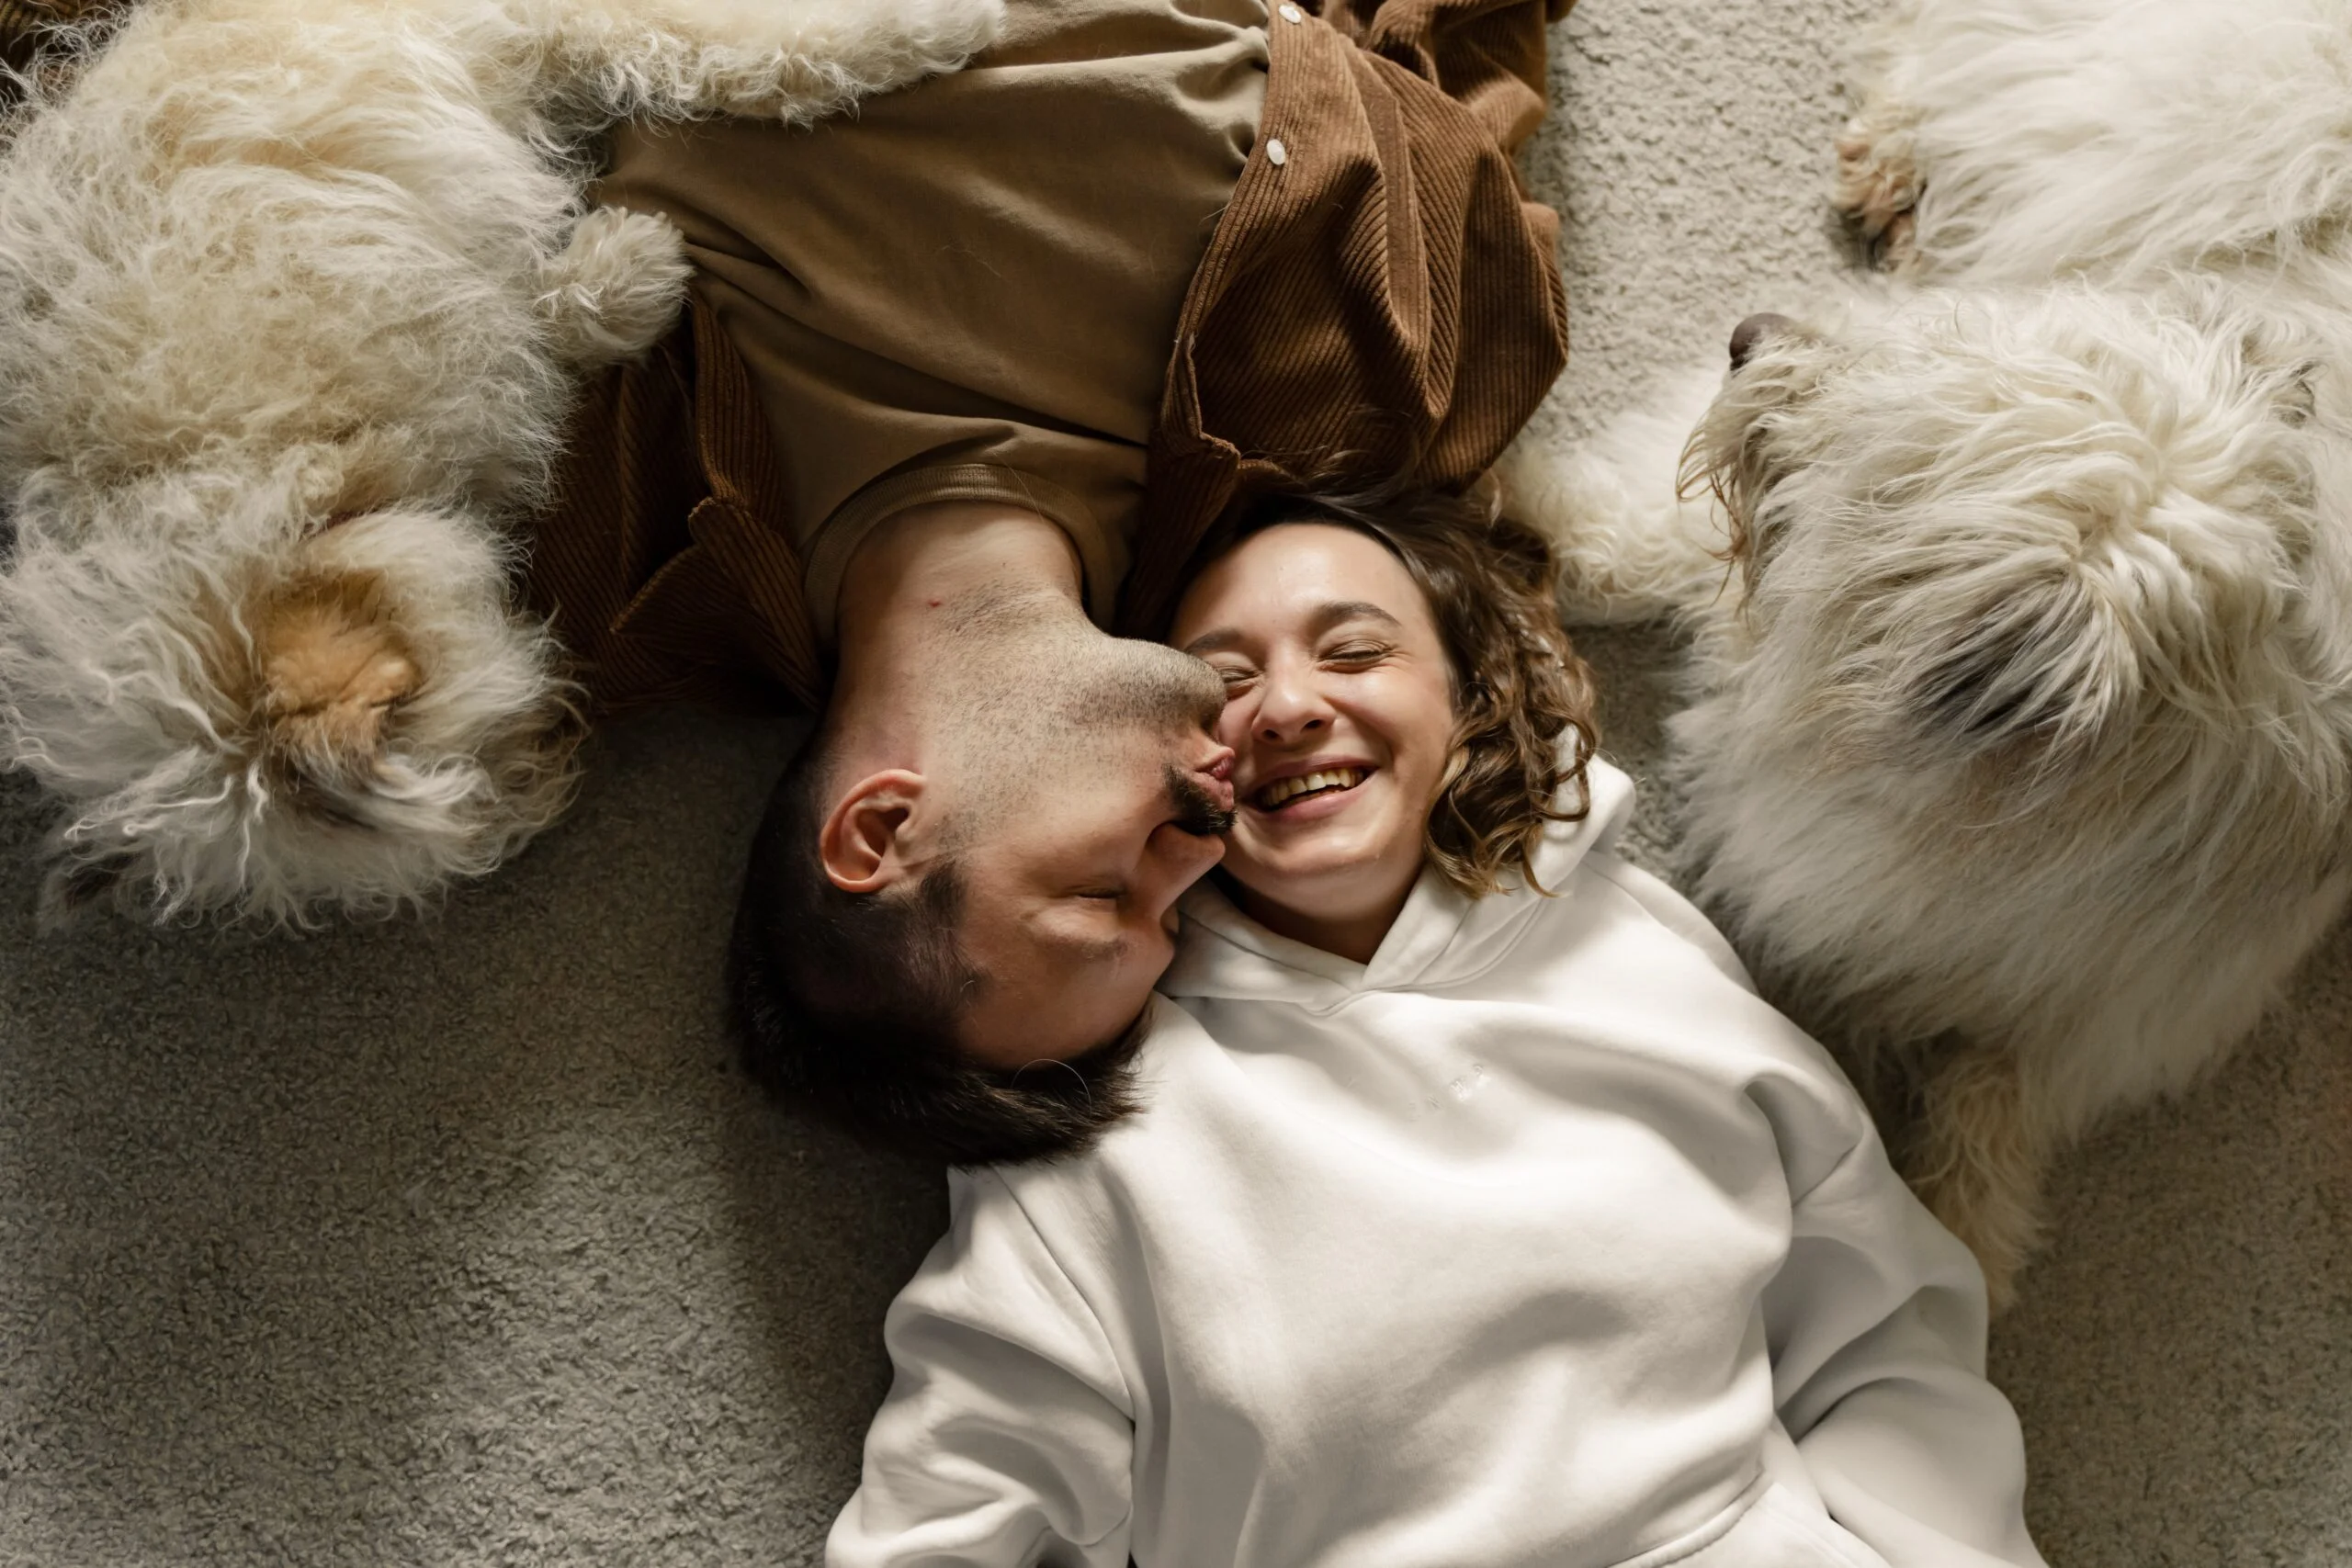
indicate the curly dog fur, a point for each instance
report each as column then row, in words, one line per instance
column 294, row 295
column 2023, row 741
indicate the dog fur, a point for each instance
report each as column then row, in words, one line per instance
column 2022, row 740
column 294, row 295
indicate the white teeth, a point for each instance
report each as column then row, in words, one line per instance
column 1281, row 790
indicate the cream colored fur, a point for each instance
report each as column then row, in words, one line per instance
column 293, row 297
column 2023, row 742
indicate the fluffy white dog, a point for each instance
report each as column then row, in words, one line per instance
column 293, row 297
column 2024, row 735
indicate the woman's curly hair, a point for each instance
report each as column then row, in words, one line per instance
column 1522, row 700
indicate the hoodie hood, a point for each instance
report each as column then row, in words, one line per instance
column 1441, row 936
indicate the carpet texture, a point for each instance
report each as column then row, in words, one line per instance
column 458, row 1242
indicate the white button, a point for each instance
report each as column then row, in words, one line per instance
column 1276, row 154
column 1293, row 13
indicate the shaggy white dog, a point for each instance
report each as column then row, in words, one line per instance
column 2024, row 732
column 293, row 297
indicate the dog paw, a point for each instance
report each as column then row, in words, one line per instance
column 1877, row 188
column 333, row 665
column 614, row 290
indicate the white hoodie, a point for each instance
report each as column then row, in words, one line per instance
column 1539, row 1239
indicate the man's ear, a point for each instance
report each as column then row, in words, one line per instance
column 877, row 833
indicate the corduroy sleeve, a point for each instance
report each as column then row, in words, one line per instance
column 1381, row 304
column 1487, row 55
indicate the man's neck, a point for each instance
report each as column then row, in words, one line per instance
column 921, row 590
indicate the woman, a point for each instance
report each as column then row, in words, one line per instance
column 1476, row 1211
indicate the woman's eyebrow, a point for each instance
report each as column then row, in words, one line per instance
column 1338, row 612
column 1217, row 641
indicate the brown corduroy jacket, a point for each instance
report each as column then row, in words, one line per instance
column 1380, row 302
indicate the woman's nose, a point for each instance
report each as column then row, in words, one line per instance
column 1291, row 707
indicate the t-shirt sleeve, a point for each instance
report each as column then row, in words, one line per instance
column 1008, row 1434
column 1876, row 1324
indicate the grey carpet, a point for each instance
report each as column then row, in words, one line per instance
column 455, row 1242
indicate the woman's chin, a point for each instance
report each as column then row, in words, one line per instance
column 1322, row 874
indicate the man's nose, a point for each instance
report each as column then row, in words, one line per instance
column 1291, row 707
column 1178, row 860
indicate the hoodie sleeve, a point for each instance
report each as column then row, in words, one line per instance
column 1876, row 1324
column 1007, row 1436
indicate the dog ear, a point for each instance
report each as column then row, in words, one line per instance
column 1982, row 693
column 2044, row 668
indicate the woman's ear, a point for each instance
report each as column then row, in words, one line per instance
column 876, row 832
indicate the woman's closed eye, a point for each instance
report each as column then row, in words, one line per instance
column 1237, row 677
column 1357, row 655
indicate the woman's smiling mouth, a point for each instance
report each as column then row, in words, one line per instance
column 1311, row 785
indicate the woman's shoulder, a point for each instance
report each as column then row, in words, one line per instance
column 1659, row 902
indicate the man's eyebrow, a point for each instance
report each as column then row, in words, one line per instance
column 1338, row 612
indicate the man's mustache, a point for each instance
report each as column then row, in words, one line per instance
column 1193, row 808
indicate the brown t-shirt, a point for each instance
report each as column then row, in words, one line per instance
column 968, row 289
column 1378, row 303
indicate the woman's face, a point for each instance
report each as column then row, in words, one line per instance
column 1339, row 705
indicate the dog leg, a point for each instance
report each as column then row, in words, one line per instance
column 614, row 289
column 394, row 681
column 1979, row 1161
column 1631, row 543
column 242, row 717
column 1877, row 187
column 792, row 59
column 331, row 665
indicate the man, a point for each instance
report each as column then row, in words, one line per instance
column 974, row 864
column 967, row 378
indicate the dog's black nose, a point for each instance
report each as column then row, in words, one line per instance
column 1753, row 331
